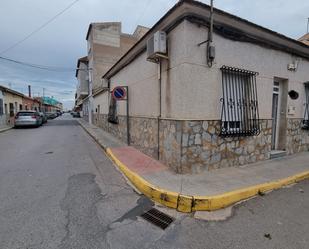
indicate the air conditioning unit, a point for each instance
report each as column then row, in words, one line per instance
column 156, row 46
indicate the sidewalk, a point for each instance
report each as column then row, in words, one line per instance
column 209, row 190
column 4, row 128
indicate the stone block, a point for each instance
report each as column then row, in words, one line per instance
column 197, row 140
column 205, row 125
column 215, row 158
column 185, row 139
column 205, row 155
column 206, row 136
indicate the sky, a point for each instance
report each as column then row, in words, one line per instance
column 62, row 41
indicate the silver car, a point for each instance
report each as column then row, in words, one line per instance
column 28, row 118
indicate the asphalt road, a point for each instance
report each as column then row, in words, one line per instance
column 59, row 190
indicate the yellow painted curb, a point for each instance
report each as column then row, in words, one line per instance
column 167, row 198
column 187, row 204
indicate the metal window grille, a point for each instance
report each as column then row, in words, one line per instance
column 306, row 114
column 240, row 113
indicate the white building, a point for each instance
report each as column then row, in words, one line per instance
column 244, row 101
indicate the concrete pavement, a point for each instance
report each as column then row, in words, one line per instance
column 59, row 190
column 209, row 190
column 4, row 128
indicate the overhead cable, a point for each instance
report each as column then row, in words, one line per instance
column 39, row 28
column 43, row 67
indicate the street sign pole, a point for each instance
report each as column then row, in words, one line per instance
column 122, row 93
column 128, row 120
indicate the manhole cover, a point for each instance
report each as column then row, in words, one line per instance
column 158, row 218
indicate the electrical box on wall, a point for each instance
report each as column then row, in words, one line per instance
column 291, row 110
column 156, row 46
column 211, row 53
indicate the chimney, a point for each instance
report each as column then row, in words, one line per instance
column 29, row 91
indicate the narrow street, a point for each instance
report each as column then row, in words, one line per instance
column 59, row 190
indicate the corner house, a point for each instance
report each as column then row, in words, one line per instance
column 203, row 98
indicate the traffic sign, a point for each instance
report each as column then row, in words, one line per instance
column 119, row 93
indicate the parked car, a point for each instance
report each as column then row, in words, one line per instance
column 51, row 115
column 44, row 117
column 76, row 115
column 28, row 118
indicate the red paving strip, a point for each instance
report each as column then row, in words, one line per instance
column 137, row 161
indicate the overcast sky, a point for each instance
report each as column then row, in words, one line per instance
column 63, row 41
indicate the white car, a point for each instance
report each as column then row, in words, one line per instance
column 28, row 118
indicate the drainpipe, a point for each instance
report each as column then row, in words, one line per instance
column 160, row 104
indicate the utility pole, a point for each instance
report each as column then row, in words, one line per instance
column 43, row 92
column 307, row 25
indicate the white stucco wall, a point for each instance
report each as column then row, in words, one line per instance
column 206, row 90
column 192, row 90
column 141, row 78
column 2, row 116
column 101, row 99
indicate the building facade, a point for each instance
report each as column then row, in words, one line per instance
column 49, row 104
column 106, row 43
column 30, row 104
column 304, row 39
column 2, row 113
column 247, row 105
column 12, row 103
column 82, row 88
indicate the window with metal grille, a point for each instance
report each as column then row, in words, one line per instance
column 240, row 113
column 306, row 115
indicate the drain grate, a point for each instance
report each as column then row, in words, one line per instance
column 158, row 218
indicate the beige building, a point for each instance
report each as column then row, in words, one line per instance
column 12, row 103
column 2, row 114
column 82, row 88
column 239, row 99
column 106, row 43
column 304, row 39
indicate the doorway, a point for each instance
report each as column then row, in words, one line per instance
column 274, row 114
column 279, row 121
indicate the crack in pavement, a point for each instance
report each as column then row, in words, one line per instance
column 83, row 227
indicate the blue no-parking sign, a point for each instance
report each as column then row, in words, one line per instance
column 119, row 93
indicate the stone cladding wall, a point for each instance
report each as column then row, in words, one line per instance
column 297, row 139
column 194, row 146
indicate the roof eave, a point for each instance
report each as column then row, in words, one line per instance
column 188, row 8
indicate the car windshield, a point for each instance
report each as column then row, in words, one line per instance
column 26, row 114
